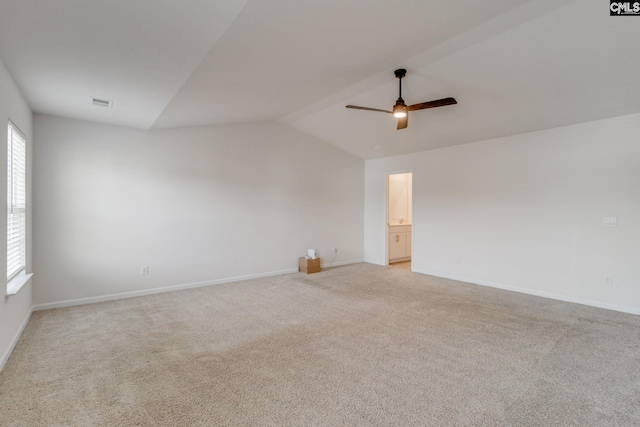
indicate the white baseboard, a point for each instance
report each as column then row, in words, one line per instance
column 560, row 297
column 15, row 339
column 336, row 264
column 123, row 295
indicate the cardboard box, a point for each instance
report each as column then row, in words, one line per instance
column 309, row 265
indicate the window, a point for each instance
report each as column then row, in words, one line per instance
column 16, row 202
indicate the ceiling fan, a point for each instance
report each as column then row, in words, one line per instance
column 401, row 110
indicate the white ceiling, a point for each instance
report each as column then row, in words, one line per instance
column 513, row 66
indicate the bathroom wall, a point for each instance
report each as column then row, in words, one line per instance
column 400, row 198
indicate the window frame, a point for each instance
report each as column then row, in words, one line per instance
column 17, row 199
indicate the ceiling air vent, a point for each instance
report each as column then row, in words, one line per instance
column 101, row 102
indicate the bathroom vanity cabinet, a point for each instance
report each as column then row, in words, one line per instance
column 399, row 243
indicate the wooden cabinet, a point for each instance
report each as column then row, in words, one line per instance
column 399, row 242
column 397, row 245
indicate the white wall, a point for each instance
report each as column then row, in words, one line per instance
column 526, row 212
column 14, row 312
column 194, row 204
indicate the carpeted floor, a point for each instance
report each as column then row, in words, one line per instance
column 358, row 345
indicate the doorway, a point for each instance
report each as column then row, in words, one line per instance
column 399, row 217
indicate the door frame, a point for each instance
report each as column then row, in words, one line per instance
column 386, row 213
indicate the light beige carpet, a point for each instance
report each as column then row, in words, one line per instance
column 359, row 345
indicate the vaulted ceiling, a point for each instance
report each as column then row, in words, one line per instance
column 513, row 66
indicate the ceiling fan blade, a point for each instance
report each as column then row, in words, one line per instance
column 403, row 122
column 432, row 104
column 368, row 109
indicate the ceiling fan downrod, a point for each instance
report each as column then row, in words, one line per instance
column 400, row 109
column 400, row 73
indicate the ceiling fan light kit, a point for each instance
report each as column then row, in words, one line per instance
column 400, row 109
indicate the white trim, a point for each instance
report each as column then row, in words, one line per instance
column 560, row 297
column 132, row 294
column 124, row 295
column 7, row 353
column 336, row 264
column 374, row 262
column 17, row 283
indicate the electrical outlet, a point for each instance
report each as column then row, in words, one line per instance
column 144, row 270
column 335, row 249
column 608, row 280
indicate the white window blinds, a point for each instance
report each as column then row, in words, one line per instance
column 16, row 202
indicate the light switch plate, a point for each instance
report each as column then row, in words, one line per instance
column 610, row 221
